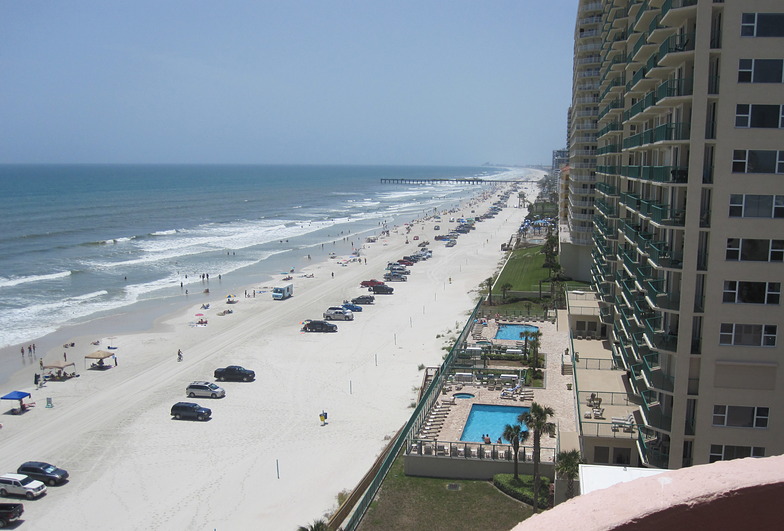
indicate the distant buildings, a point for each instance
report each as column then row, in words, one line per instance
column 673, row 205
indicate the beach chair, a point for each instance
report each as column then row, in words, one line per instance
column 461, row 451
column 487, row 452
column 598, row 413
column 473, row 451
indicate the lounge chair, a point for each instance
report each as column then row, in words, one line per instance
column 598, row 412
column 487, row 452
column 461, row 451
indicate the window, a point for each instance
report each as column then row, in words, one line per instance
column 756, row 206
column 741, row 292
column 721, row 452
column 761, row 71
column 740, row 416
column 762, row 25
column 748, row 335
column 750, row 250
column 757, row 161
column 759, row 116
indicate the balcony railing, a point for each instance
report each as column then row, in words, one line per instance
column 653, row 451
column 607, row 189
column 607, row 210
column 659, row 174
column 661, row 255
column 673, row 88
column 677, row 43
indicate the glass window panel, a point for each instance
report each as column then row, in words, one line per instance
column 752, row 292
column 740, row 417
column 770, row 25
column 754, row 250
column 768, row 70
column 761, row 161
column 764, row 116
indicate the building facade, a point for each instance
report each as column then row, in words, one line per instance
column 687, row 213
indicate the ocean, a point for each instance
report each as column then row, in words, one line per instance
column 81, row 242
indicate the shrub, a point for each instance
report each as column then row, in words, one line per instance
column 523, row 488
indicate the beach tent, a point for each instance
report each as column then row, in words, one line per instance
column 58, row 365
column 99, row 355
column 20, row 396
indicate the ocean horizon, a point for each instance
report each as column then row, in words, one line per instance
column 84, row 241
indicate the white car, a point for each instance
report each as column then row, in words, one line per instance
column 21, row 485
column 338, row 313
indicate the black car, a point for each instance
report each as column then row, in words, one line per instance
column 382, row 289
column 190, row 410
column 319, row 326
column 234, row 372
column 363, row 299
column 49, row 474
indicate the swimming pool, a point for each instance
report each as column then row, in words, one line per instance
column 515, row 332
column 463, row 395
column 491, row 420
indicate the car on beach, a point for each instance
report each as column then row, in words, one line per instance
column 190, row 410
column 370, row 283
column 21, row 485
column 451, row 243
column 352, row 307
column 234, row 372
column 395, row 277
column 10, row 512
column 383, row 289
column 338, row 313
column 319, row 326
column 363, row 299
column 205, row 390
column 405, row 262
column 44, row 472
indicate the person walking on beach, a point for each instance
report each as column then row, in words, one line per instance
column 22, row 352
column 65, row 356
column 179, row 355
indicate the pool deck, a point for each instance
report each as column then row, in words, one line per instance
column 447, row 424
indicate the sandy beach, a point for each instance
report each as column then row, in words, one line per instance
column 264, row 461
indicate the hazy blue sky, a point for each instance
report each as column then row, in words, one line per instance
column 299, row 81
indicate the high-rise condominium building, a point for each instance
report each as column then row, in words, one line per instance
column 678, row 112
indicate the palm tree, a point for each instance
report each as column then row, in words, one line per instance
column 489, row 282
column 537, row 420
column 567, row 465
column 505, row 289
column 536, row 341
column 515, row 435
column 318, row 525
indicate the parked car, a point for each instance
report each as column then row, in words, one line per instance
column 338, row 313
column 190, row 410
column 370, row 283
column 205, row 389
column 10, row 512
column 437, row 227
column 451, row 243
column 352, row 307
column 44, row 472
column 383, row 289
column 405, row 262
column 21, row 485
column 363, row 299
column 319, row 326
column 234, row 372
column 400, row 270
column 395, row 277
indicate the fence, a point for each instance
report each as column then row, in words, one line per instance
column 424, row 405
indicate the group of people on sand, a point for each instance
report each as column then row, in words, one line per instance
column 30, row 350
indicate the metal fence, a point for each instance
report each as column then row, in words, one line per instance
column 421, row 409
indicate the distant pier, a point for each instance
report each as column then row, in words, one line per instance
column 458, row 181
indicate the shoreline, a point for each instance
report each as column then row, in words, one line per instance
column 115, row 434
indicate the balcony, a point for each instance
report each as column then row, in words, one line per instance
column 609, row 170
column 607, row 150
column 659, row 174
column 630, row 200
column 607, row 210
column 606, row 231
column 657, row 339
column 659, row 297
column 674, row 12
column 653, row 451
column 675, row 88
column 612, row 126
column 673, row 46
column 614, row 104
column 607, row 189
column 672, row 132
column 652, row 412
column 649, row 100
column 662, row 214
column 661, row 256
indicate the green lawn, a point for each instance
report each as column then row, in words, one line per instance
column 523, row 270
column 425, row 503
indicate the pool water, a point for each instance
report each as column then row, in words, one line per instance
column 515, row 332
column 463, row 395
column 491, row 420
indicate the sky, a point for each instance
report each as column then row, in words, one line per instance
column 450, row 82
